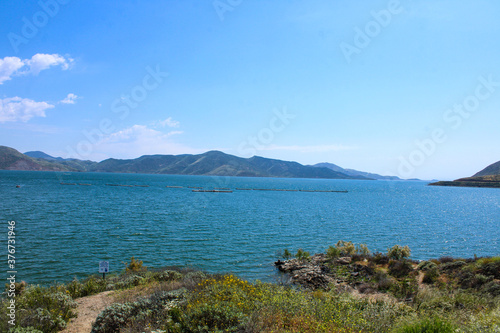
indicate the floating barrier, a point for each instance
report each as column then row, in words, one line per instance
column 220, row 189
column 214, row 191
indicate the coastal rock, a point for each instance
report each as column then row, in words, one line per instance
column 344, row 260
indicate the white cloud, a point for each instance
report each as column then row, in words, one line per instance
column 21, row 109
column 40, row 62
column 9, row 66
column 14, row 66
column 70, row 99
column 168, row 122
column 309, row 149
column 136, row 141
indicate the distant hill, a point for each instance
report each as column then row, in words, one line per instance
column 355, row 173
column 11, row 159
column 77, row 165
column 42, row 155
column 490, row 170
column 214, row 163
column 488, row 177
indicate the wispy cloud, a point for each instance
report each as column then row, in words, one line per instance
column 169, row 122
column 21, row 109
column 70, row 99
column 138, row 140
column 309, row 149
column 14, row 66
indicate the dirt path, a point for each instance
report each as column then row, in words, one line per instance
column 88, row 309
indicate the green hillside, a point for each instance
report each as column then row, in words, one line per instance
column 212, row 163
column 488, row 177
column 11, row 159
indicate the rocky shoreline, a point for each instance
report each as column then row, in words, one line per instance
column 318, row 272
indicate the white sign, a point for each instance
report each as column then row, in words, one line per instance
column 103, row 266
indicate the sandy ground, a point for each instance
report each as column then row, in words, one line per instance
column 88, row 309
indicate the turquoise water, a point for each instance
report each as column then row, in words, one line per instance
column 63, row 231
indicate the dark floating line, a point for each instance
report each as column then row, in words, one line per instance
column 213, row 191
column 223, row 189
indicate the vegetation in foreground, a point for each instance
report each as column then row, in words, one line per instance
column 445, row 295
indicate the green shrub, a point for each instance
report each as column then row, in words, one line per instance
column 362, row 249
column 129, row 281
column 452, row 266
column 24, row 330
column 491, row 288
column 434, row 325
column 490, row 268
column 18, row 287
column 400, row 269
column 287, row 254
column 145, row 311
column 426, row 265
column 112, row 318
column 169, row 275
column 398, row 252
column 431, row 275
column 405, row 288
column 332, row 252
column 302, row 255
column 380, row 258
column 44, row 309
column 446, row 259
column 134, row 265
column 346, row 248
column 384, row 282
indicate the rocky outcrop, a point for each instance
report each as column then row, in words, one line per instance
column 319, row 272
column 311, row 274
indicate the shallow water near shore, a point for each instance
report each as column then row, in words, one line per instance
column 63, row 231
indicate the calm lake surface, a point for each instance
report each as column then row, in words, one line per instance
column 63, row 231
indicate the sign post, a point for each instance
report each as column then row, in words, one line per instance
column 104, row 268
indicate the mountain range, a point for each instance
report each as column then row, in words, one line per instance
column 352, row 172
column 214, row 163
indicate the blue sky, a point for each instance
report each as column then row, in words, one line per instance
column 406, row 88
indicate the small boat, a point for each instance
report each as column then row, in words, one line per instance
column 18, row 186
column 173, row 186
